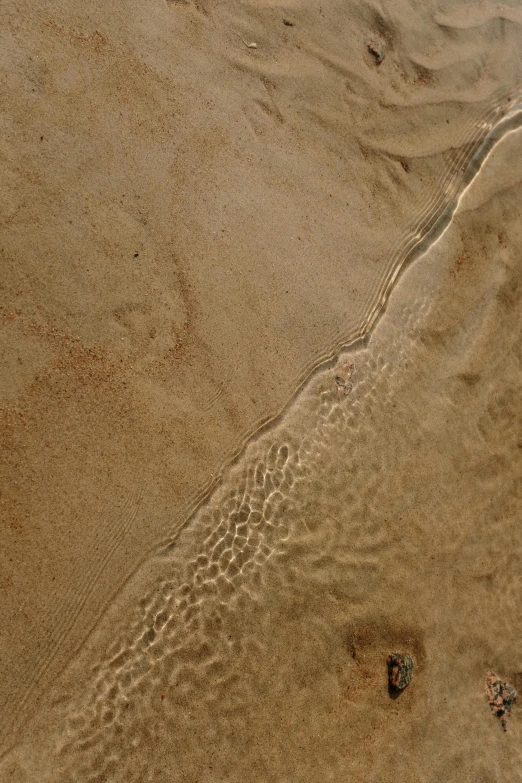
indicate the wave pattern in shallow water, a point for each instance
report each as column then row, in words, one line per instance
column 312, row 544
column 379, row 519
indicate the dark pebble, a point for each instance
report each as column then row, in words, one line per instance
column 400, row 671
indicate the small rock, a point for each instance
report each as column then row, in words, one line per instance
column 500, row 696
column 376, row 51
column 344, row 384
column 288, row 22
column 400, row 671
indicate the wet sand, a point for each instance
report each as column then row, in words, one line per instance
column 144, row 347
column 254, row 646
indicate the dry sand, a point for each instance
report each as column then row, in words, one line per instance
column 189, row 226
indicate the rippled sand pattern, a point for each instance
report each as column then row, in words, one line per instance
column 381, row 514
column 190, row 226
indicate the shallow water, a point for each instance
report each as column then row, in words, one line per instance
column 381, row 514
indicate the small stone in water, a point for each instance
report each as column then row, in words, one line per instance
column 500, row 696
column 400, row 670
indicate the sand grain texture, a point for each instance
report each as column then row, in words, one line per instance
column 188, row 227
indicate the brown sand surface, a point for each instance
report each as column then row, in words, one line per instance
column 384, row 519
column 389, row 517
column 188, row 226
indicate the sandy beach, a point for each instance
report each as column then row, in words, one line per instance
column 260, row 418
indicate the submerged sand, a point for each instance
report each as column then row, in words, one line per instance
column 190, row 226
